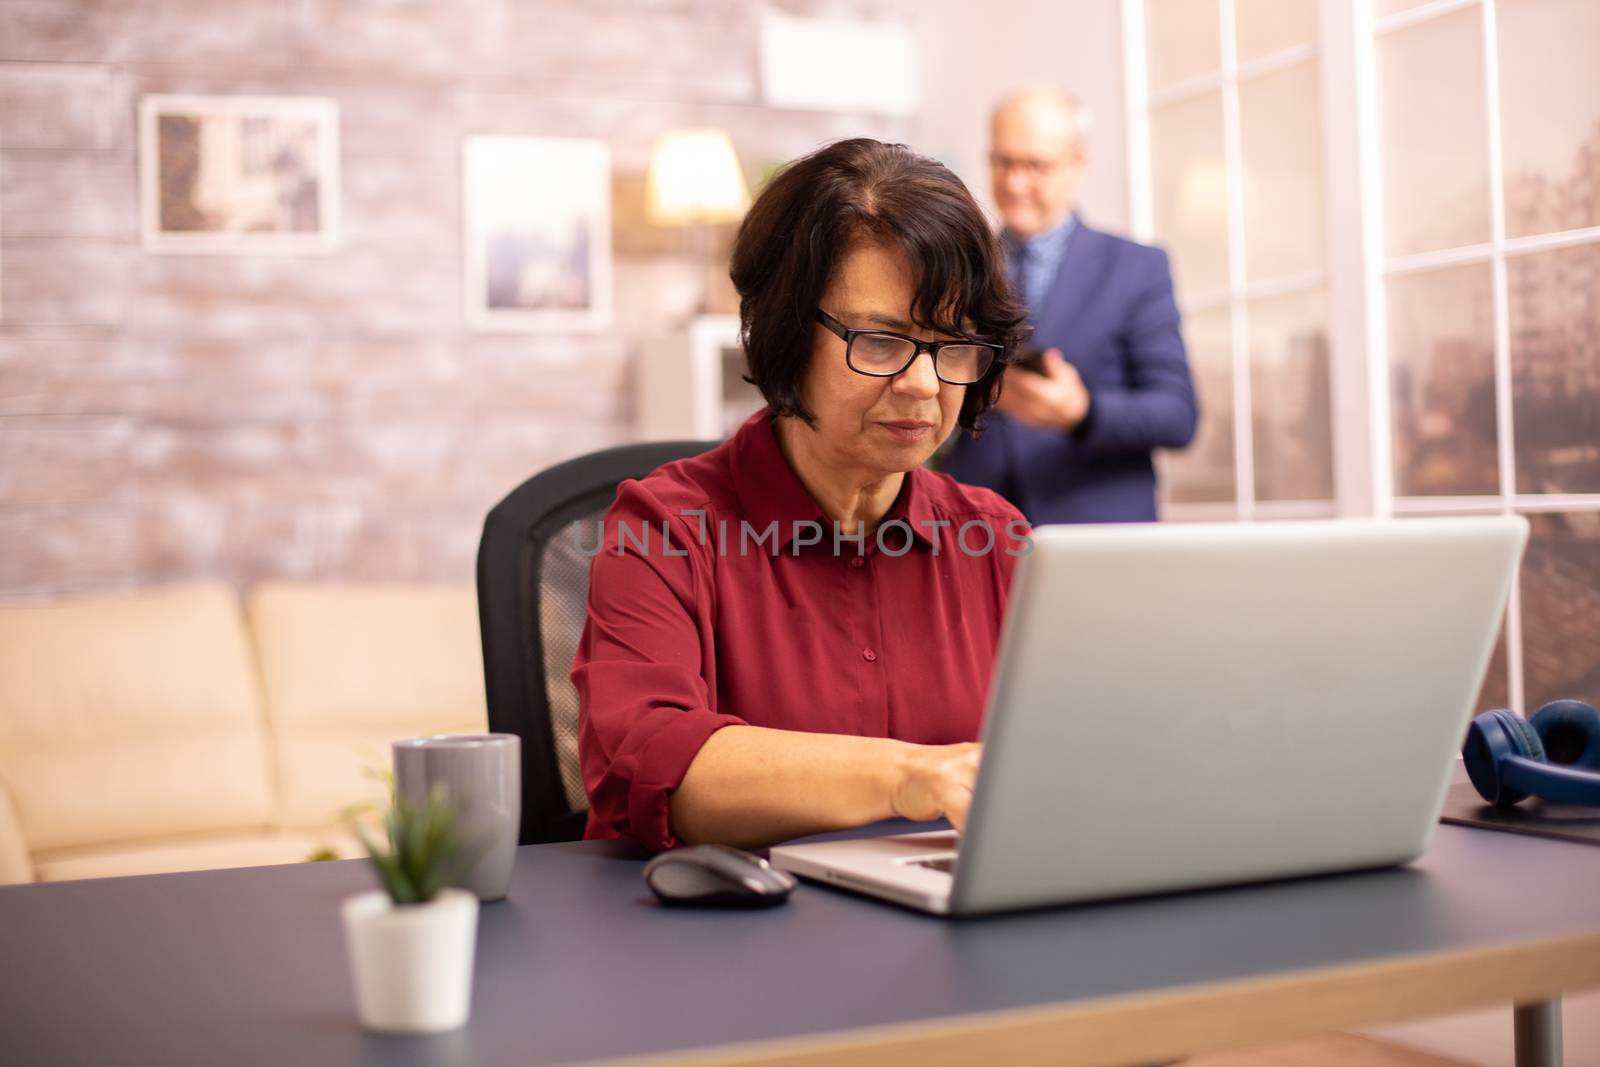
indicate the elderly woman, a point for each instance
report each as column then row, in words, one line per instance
column 795, row 631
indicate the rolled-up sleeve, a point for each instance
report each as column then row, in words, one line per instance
column 645, row 707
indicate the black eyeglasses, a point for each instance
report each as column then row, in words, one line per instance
column 881, row 354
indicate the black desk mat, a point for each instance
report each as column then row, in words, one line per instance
column 1564, row 822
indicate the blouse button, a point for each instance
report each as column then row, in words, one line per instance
column 858, row 562
column 869, row 655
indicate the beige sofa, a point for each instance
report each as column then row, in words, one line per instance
column 167, row 730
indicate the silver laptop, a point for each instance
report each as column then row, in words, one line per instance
column 1182, row 706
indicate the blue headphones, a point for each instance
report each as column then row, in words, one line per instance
column 1554, row 755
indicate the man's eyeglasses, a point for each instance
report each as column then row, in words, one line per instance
column 1034, row 168
column 881, row 354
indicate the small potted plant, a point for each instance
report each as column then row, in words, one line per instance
column 411, row 942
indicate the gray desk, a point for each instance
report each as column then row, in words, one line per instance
column 248, row 966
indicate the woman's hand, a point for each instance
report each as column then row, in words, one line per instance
column 935, row 781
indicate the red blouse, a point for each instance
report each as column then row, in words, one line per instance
column 721, row 596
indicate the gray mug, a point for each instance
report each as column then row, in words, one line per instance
column 482, row 774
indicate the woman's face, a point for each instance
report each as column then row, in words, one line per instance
column 879, row 426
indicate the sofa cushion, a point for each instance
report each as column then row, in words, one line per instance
column 193, row 853
column 132, row 716
column 347, row 669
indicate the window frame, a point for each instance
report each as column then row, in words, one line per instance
column 1357, row 271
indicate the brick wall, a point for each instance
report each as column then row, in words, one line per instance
column 167, row 417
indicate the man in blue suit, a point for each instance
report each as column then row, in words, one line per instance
column 1073, row 442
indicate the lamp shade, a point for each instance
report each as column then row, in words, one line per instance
column 695, row 177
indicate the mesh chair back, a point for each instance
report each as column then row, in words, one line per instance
column 533, row 588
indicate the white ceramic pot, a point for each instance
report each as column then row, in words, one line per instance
column 412, row 963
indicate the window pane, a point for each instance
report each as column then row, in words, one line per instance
column 1550, row 113
column 1191, row 192
column 1181, row 40
column 1268, row 26
column 1555, row 369
column 1203, row 472
column 1441, row 362
column 1280, row 116
column 1381, row 8
column 1561, row 609
column 1290, row 414
column 1434, row 139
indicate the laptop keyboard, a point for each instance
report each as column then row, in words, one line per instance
column 945, row 863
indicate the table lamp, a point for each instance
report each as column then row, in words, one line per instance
column 695, row 180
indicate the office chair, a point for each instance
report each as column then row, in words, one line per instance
column 533, row 588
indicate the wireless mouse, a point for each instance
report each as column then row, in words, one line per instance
column 717, row 876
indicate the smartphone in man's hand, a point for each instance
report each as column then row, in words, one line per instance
column 1031, row 359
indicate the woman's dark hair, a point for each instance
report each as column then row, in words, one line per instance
column 822, row 204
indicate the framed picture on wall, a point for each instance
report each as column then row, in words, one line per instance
column 239, row 174
column 537, row 216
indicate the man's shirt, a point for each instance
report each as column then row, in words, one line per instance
column 1034, row 261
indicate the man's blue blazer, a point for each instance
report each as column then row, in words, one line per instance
column 1112, row 314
